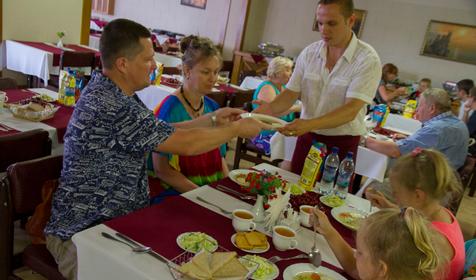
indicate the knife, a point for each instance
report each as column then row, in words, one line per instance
column 151, row 252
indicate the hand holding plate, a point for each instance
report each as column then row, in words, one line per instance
column 296, row 128
column 250, row 127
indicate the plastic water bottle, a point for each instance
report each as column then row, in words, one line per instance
column 346, row 170
column 330, row 169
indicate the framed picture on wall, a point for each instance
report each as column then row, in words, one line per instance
column 202, row 4
column 358, row 25
column 451, row 41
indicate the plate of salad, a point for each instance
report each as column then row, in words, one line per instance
column 194, row 242
column 266, row 270
column 348, row 216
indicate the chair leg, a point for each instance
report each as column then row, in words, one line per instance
column 236, row 161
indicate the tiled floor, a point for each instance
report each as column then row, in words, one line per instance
column 466, row 216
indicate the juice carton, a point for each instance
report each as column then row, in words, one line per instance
column 311, row 168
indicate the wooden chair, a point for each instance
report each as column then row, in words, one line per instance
column 466, row 176
column 239, row 99
column 172, row 71
column 8, row 83
column 246, row 150
column 23, row 146
column 20, row 193
column 73, row 59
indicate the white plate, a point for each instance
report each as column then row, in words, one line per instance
column 270, row 120
column 272, row 276
column 255, row 251
column 336, row 212
column 295, row 269
column 184, row 235
column 325, row 202
column 239, row 176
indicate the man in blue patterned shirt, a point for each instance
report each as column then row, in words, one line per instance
column 109, row 132
column 441, row 131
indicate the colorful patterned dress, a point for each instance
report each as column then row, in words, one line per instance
column 201, row 169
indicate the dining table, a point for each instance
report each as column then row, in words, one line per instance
column 158, row 227
column 39, row 59
column 368, row 163
column 56, row 126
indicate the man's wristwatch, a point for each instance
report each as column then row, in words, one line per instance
column 213, row 118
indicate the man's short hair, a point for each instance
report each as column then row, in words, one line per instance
column 346, row 6
column 465, row 85
column 439, row 97
column 121, row 38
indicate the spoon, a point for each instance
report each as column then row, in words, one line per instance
column 314, row 255
column 135, row 249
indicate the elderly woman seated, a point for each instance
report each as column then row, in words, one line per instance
column 279, row 72
column 201, row 63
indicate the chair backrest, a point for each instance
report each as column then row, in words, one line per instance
column 23, row 146
column 8, row 83
column 241, row 98
column 251, row 82
column 172, row 70
column 220, row 97
column 20, row 193
column 77, row 59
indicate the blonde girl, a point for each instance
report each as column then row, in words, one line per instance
column 391, row 244
column 422, row 179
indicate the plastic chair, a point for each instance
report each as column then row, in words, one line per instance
column 20, row 193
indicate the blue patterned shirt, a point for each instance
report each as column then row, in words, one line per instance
column 104, row 173
column 445, row 133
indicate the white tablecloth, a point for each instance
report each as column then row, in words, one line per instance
column 402, row 125
column 168, row 60
column 100, row 258
column 151, row 96
column 28, row 60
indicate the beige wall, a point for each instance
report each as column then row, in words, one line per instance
column 35, row 20
column 172, row 16
column 395, row 28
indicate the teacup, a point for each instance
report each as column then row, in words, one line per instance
column 305, row 214
column 3, row 98
column 284, row 238
column 243, row 220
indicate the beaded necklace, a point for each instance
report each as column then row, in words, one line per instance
column 188, row 102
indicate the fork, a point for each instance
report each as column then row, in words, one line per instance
column 224, row 211
column 240, row 195
column 275, row 259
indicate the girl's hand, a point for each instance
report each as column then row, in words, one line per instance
column 321, row 223
column 378, row 199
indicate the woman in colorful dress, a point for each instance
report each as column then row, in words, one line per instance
column 201, row 63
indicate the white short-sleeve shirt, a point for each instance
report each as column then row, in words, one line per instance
column 356, row 75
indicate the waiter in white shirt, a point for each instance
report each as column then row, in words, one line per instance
column 335, row 78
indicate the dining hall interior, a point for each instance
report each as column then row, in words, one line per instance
column 246, row 142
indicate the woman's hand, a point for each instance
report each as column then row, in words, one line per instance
column 322, row 224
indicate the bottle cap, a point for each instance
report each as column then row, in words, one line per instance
column 335, row 150
column 350, row 155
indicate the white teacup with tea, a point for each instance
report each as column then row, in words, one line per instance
column 243, row 220
column 284, row 238
column 3, row 98
column 305, row 214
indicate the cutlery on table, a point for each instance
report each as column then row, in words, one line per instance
column 224, row 211
column 237, row 193
column 275, row 259
column 314, row 255
column 134, row 246
column 150, row 252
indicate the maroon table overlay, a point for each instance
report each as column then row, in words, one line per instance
column 42, row 46
column 158, row 227
column 10, row 131
column 347, row 234
column 79, row 48
column 57, row 51
column 59, row 120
